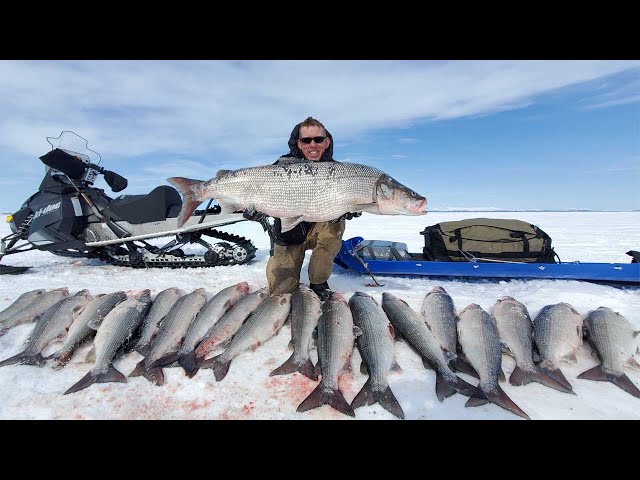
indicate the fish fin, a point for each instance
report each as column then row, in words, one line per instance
column 363, row 368
column 558, row 376
column 188, row 362
column 165, row 361
column 91, row 355
column 476, row 402
column 598, row 374
column 463, row 366
column 154, row 375
column 427, row 364
column 500, row 398
column 290, row 366
column 111, row 375
column 189, row 200
column 395, row 367
column 229, row 207
column 222, row 173
column 386, row 399
column 443, row 388
column 326, row 396
column 289, row 223
column 466, row 389
column 625, row 384
column 220, row 368
column 95, row 322
column 521, row 377
column 61, row 359
column 24, row 358
column 76, row 312
column 143, row 349
column 138, row 370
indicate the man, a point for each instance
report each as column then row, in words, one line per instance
column 309, row 141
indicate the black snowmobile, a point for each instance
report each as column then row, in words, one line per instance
column 69, row 217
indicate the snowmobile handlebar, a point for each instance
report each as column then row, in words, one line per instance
column 75, row 168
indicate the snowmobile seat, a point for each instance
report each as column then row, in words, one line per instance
column 161, row 203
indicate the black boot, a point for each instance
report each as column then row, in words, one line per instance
column 322, row 290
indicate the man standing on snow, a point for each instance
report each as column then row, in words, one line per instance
column 309, row 141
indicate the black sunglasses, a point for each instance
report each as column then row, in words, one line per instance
column 307, row 140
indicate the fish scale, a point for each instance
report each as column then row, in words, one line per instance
column 613, row 336
column 94, row 313
column 480, row 342
column 376, row 341
column 297, row 189
column 439, row 312
column 515, row 330
column 118, row 326
column 302, row 191
column 335, row 345
column 557, row 333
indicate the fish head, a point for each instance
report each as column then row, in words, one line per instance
column 393, row 198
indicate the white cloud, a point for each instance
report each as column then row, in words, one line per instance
column 195, row 108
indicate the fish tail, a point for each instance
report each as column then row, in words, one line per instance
column 164, row 361
column 111, row 375
column 462, row 366
column 387, row 400
column 326, row 396
column 499, row 397
column 466, row 389
column 558, row 376
column 190, row 200
column 291, row 366
column 444, row 387
column 622, row 381
column 188, row 362
column 61, row 359
column 523, row 377
column 220, row 368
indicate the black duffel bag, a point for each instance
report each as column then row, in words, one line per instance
column 487, row 239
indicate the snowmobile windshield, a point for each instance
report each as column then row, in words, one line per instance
column 74, row 144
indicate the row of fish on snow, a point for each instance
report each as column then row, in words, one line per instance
column 186, row 328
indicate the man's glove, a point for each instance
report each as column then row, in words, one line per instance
column 260, row 217
column 347, row 216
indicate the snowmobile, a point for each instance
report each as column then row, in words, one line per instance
column 68, row 216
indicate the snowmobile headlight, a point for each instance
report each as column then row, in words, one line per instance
column 9, row 218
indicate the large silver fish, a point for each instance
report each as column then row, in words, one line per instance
column 21, row 302
column 615, row 340
column 229, row 324
column 335, row 346
column 305, row 312
column 210, row 313
column 439, row 312
column 376, row 342
column 302, row 191
column 34, row 309
column 516, row 333
column 265, row 322
column 557, row 331
column 161, row 305
column 116, row 328
column 92, row 314
column 165, row 346
column 478, row 336
column 411, row 325
column 51, row 326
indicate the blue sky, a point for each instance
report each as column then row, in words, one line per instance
column 465, row 134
